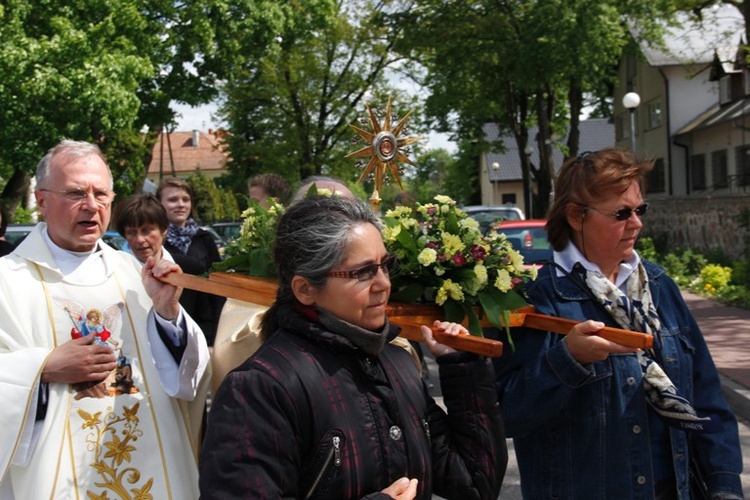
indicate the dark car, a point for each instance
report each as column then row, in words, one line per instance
column 487, row 215
column 229, row 231
column 221, row 243
column 528, row 237
column 16, row 232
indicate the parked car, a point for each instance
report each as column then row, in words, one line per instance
column 116, row 241
column 486, row 215
column 229, row 231
column 15, row 232
column 528, row 237
column 221, row 244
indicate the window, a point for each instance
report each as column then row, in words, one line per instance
column 698, row 172
column 725, row 89
column 743, row 166
column 654, row 113
column 719, row 169
column 509, row 199
column 655, row 180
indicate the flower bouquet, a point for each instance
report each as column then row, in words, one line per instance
column 443, row 256
column 252, row 252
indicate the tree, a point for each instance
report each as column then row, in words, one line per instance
column 520, row 63
column 100, row 71
column 211, row 204
column 289, row 109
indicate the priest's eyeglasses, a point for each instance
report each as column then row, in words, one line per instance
column 77, row 196
column 369, row 272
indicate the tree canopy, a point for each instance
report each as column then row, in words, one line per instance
column 102, row 71
column 520, row 63
column 289, row 108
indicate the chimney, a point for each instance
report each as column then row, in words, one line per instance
column 196, row 137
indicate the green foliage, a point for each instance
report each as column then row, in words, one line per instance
column 520, row 64
column 695, row 272
column 290, row 104
column 647, row 249
column 252, row 252
column 24, row 216
column 714, row 278
column 211, row 204
column 100, row 71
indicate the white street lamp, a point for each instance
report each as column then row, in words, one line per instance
column 495, row 168
column 631, row 100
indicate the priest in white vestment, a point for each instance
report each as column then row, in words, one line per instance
column 103, row 377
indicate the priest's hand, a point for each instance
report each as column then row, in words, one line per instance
column 165, row 297
column 79, row 360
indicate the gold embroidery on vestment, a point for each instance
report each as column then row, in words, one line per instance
column 112, row 440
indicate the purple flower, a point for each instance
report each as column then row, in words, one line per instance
column 477, row 252
column 459, row 259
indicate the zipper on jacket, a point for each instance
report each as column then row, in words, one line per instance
column 426, row 426
column 335, row 455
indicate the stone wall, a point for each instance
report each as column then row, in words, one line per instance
column 702, row 223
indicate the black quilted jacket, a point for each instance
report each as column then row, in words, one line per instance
column 311, row 416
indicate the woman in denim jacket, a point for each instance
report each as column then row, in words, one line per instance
column 594, row 419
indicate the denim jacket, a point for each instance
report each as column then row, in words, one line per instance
column 584, row 431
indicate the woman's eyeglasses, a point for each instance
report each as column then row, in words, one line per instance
column 367, row 273
column 624, row 213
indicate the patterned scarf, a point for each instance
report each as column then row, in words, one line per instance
column 180, row 237
column 638, row 313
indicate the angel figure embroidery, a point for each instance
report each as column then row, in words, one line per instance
column 102, row 324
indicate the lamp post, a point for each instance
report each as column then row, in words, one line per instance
column 495, row 168
column 527, row 205
column 631, row 100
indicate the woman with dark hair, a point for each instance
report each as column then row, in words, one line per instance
column 143, row 222
column 327, row 407
column 185, row 237
column 593, row 419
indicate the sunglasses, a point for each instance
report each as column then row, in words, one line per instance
column 369, row 272
column 624, row 213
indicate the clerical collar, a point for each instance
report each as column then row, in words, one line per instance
column 58, row 250
column 81, row 267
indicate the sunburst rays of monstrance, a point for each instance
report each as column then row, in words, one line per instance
column 385, row 149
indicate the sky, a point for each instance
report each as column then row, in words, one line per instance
column 201, row 118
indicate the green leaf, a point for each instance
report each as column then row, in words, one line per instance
column 475, row 328
column 454, row 311
column 497, row 305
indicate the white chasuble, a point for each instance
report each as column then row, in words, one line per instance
column 123, row 438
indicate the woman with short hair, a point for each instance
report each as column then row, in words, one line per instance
column 594, row 419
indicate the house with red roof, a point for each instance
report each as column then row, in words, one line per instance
column 181, row 154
